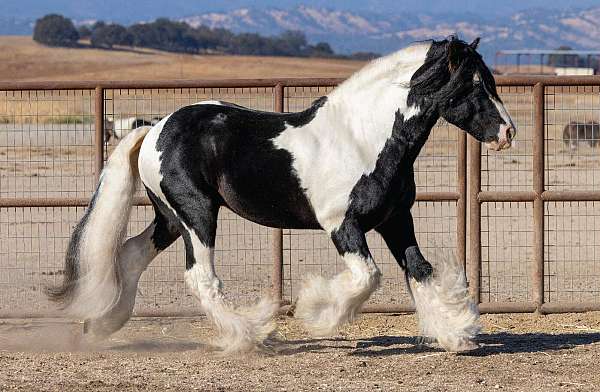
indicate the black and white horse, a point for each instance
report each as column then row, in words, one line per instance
column 119, row 128
column 344, row 165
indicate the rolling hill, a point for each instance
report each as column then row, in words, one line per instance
column 23, row 59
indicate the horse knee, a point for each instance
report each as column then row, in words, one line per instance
column 416, row 265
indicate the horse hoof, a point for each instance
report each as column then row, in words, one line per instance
column 466, row 346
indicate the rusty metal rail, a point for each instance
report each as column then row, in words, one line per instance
column 468, row 195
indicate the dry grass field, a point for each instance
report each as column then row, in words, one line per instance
column 23, row 59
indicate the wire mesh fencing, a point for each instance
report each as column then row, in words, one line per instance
column 535, row 245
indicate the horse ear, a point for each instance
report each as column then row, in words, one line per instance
column 455, row 52
column 475, row 43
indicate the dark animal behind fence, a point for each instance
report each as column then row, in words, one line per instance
column 577, row 132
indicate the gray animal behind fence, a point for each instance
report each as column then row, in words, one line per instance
column 577, row 132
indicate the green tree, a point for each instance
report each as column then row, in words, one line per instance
column 143, row 35
column 321, row 49
column 106, row 36
column 55, row 30
column 291, row 43
column 84, row 32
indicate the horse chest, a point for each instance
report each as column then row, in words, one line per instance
column 375, row 198
column 329, row 164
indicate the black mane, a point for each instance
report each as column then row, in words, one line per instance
column 449, row 68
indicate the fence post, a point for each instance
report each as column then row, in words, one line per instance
column 474, row 271
column 538, row 188
column 99, row 132
column 278, row 233
column 461, row 204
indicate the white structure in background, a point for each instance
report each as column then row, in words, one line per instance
column 579, row 71
column 119, row 128
column 544, row 61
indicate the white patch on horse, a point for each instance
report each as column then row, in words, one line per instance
column 149, row 161
column 411, row 112
column 503, row 114
column 210, row 102
column 240, row 329
column 343, row 142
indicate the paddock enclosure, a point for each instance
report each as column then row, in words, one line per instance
column 526, row 221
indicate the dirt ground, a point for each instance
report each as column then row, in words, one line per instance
column 518, row 352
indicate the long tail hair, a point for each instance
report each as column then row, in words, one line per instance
column 91, row 285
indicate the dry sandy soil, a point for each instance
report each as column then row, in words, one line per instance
column 378, row 353
column 23, row 59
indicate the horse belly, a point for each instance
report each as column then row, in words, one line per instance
column 263, row 188
column 266, row 209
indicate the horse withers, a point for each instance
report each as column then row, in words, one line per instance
column 344, row 165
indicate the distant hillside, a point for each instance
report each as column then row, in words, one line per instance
column 131, row 11
column 359, row 30
column 351, row 31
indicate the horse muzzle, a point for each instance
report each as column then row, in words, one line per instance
column 506, row 134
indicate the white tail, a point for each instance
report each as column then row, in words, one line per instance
column 91, row 286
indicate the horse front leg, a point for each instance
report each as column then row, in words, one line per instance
column 325, row 305
column 445, row 310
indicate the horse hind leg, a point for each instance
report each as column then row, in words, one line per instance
column 133, row 259
column 240, row 329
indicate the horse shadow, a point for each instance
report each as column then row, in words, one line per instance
column 158, row 346
column 490, row 344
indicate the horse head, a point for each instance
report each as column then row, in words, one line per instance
column 455, row 80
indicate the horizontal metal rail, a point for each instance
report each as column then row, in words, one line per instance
column 592, row 80
column 170, row 84
column 484, row 308
column 487, row 196
column 144, row 201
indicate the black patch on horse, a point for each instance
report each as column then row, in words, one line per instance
column 225, row 153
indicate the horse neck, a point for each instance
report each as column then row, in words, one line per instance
column 368, row 101
column 414, row 134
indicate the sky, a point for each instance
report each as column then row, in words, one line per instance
column 135, row 10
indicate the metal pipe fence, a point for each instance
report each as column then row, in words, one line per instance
column 527, row 216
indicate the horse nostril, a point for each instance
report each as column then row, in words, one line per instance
column 509, row 133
